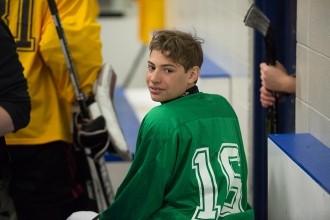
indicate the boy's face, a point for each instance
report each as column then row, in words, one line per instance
column 167, row 80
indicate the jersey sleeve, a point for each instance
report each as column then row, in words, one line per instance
column 14, row 96
column 142, row 192
column 82, row 31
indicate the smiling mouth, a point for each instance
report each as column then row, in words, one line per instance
column 154, row 90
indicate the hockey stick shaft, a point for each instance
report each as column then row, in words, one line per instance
column 271, row 60
column 106, row 185
column 106, row 188
column 70, row 65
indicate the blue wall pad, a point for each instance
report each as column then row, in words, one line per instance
column 309, row 153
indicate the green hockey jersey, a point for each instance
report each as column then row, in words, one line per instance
column 189, row 164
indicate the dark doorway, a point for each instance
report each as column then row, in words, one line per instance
column 282, row 15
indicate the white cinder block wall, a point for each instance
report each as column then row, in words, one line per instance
column 228, row 42
column 313, row 69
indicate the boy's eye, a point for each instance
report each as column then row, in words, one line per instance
column 150, row 68
column 168, row 70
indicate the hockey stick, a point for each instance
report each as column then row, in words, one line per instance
column 105, row 197
column 71, row 68
column 258, row 21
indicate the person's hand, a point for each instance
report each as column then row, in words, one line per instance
column 266, row 97
column 83, row 215
column 276, row 78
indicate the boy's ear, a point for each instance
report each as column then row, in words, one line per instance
column 194, row 74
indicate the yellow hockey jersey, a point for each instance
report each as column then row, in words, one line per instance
column 38, row 45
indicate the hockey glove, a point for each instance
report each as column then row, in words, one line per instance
column 91, row 133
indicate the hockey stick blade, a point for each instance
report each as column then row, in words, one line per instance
column 257, row 20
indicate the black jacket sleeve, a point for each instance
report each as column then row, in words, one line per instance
column 14, row 96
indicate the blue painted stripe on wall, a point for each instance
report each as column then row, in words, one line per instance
column 210, row 69
column 309, row 153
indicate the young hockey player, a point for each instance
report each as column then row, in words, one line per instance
column 190, row 161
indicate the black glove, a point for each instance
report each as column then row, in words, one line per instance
column 91, row 134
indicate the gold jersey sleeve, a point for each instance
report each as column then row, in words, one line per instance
column 38, row 46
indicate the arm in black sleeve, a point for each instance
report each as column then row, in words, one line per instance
column 14, row 96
